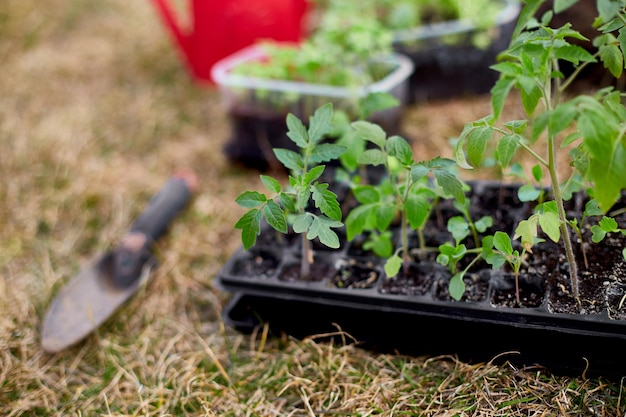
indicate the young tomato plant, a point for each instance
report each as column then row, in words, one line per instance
column 292, row 203
column 531, row 66
column 407, row 191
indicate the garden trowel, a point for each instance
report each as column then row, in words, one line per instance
column 94, row 294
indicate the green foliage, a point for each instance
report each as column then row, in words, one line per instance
column 293, row 202
column 530, row 66
column 406, row 193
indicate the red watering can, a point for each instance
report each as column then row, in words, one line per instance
column 219, row 28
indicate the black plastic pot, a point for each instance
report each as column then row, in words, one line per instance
column 419, row 317
column 446, row 69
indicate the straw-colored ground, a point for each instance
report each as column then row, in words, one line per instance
column 96, row 110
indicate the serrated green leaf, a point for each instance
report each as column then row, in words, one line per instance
column 612, row 59
column 290, row 159
column 320, row 123
column 271, row 184
column 393, row 265
column 499, row 93
column 574, row 54
column 477, row 143
column 516, row 126
column 450, row 184
column 417, row 210
column 321, row 228
column 275, row 216
column 592, row 209
column 250, row 225
column 251, row 199
column 531, row 99
column 297, row 131
column 372, row 157
column 287, row 202
column 326, row 201
column 502, row 242
column 608, row 224
column 419, row 171
column 457, row 286
column 528, row 192
column 313, row 174
column 302, row 222
column 326, row 152
column 506, row 148
column 399, row 148
column 621, row 38
column 370, row 132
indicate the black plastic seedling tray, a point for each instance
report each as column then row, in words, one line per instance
column 423, row 319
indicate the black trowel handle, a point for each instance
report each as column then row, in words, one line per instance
column 165, row 206
column 134, row 250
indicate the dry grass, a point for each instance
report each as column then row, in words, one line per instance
column 96, row 111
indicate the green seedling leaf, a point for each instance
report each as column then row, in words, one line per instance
column 297, row 131
column 608, row 9
column 385, row 213
column 457, row 286
column 417, row 210
column 287, row 202
column 526, row 230
column 477, row 143
column 612, row 59
column 321, row 228
column 313, row 174
column 530, row 100
column 499, row 93
column 483, row 224
column 380, row 243
column 459, row 228
column 250, row 225
column 597, row 234
column 506, row 148
column 561, row 5
column 366, row 194
column 608, row 224
column 393, row 265
column 528, row 192
column 302, row 222
column 326, row 152
column 399, row 148
column 574, row 54
column 419, row 171
column 537, row 172
column 271, row 184
column 372, row 157
column 326, row 201
column 450, row 184
column 290, row 159
column 374, row 102
column 502, row 242
column 551, row 225
column 561, row 117
column 251, row 199
column 275, row 216
column 517, row 126
column 592, row 209
column 320, row 123
column 357, row 220
column 370, row 132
